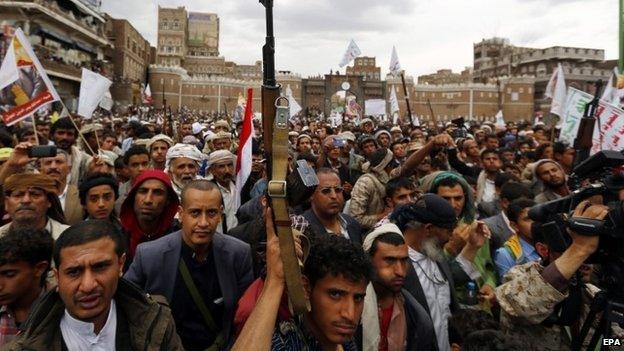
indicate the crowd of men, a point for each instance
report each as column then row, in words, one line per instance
column 416, row 238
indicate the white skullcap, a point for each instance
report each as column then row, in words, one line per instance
column 382, row 229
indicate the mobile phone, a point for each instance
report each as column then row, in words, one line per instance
column 42, row 151
column 338, row 143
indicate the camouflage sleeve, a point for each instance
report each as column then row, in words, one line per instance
column 525, row 297
column 360, row 200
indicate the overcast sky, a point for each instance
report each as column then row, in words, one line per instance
column 312, row 35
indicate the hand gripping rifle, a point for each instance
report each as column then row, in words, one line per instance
column 283, row 189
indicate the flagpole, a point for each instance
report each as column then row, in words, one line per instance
column 409, row 109
column 35, row 129
column 76, row 126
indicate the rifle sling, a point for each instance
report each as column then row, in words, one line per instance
column 277, row 190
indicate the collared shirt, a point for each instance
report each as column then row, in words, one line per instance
column 190, row 324
column 8, row 326
column 80, row 336
column 291, row 335
column 437, row 292
column 489, row 192
column 395, row 338
column 230, row 205
column 504, row 260
column 343, row 228
column 63, row 196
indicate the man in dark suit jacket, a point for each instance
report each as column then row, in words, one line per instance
column 325, row 215
column 499, row 224
column 197, row 262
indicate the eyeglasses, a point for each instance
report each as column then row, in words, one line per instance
column 328, row 190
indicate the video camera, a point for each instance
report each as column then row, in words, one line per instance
column 605, row 176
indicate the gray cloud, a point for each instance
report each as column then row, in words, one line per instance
column 311, row 36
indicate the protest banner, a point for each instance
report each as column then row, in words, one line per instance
column 93, row 88
column 24, row 84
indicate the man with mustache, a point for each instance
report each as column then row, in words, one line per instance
column 392, row 319
column 158, row 147
column 427, row 225
column 197, row 269
column 64, row 136
column 182, row 165
column 221, row 166
column 325, row 214
column 149, row 210
column 552, row 175
column 93, row 308
column 31, row 201
column 335, row 277
column 57, row 168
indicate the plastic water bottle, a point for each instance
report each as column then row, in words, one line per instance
column 471, row 294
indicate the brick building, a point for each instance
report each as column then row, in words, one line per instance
column 366, row 67
column 496, row 57
column 131, row 58
column 446, row 76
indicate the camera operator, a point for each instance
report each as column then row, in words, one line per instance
column 539, row 300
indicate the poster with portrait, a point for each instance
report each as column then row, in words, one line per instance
column 24, row 84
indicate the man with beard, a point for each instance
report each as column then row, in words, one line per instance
column 57, row 168
column 186, row 128
column 492, row 164
column 64, row 135
column 552, row 175
column 325, row 214
column 158, row 147
column 335, row 276
column 221, row 167
column 427, row 225
column 392, row 318
column 149, row 210
column 43, row 131
column 182, row 165
column 31, row 202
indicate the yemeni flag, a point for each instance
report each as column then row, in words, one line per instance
column 243, row 161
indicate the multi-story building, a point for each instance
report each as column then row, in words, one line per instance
column 172, row 35
column 131, row 58
column 495, row 58
column 66, row 36
column 366, row 67
column 396, row 83
column 446, row 76
column 203, row 34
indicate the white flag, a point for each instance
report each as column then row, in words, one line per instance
column 107, row 101
column 92, row 89
column 352, row 52
column 395, row 65
column 294, row 106
column 416, row 121
column 609, row 93
column 394, row 102
column 24, row 85
column 556, row 90
column 147, row 95
column 500, row 121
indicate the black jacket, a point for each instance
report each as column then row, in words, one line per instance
column 353, row 227
column 420, row 333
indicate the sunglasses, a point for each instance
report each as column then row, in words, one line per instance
column 328, row 190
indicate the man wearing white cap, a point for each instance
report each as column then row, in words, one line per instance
column 182, row 165
column 221, row 165
column 392, row 319
column 158, row 146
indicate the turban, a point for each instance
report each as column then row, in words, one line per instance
column 90, row 128
column 160, row 137
column 221, row 157
column 31, row 180
column 382, row 131
column 377, row 232
column 183, row 150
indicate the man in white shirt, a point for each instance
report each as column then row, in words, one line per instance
column 93, row 308
column 221, row 165
column 427, row 225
